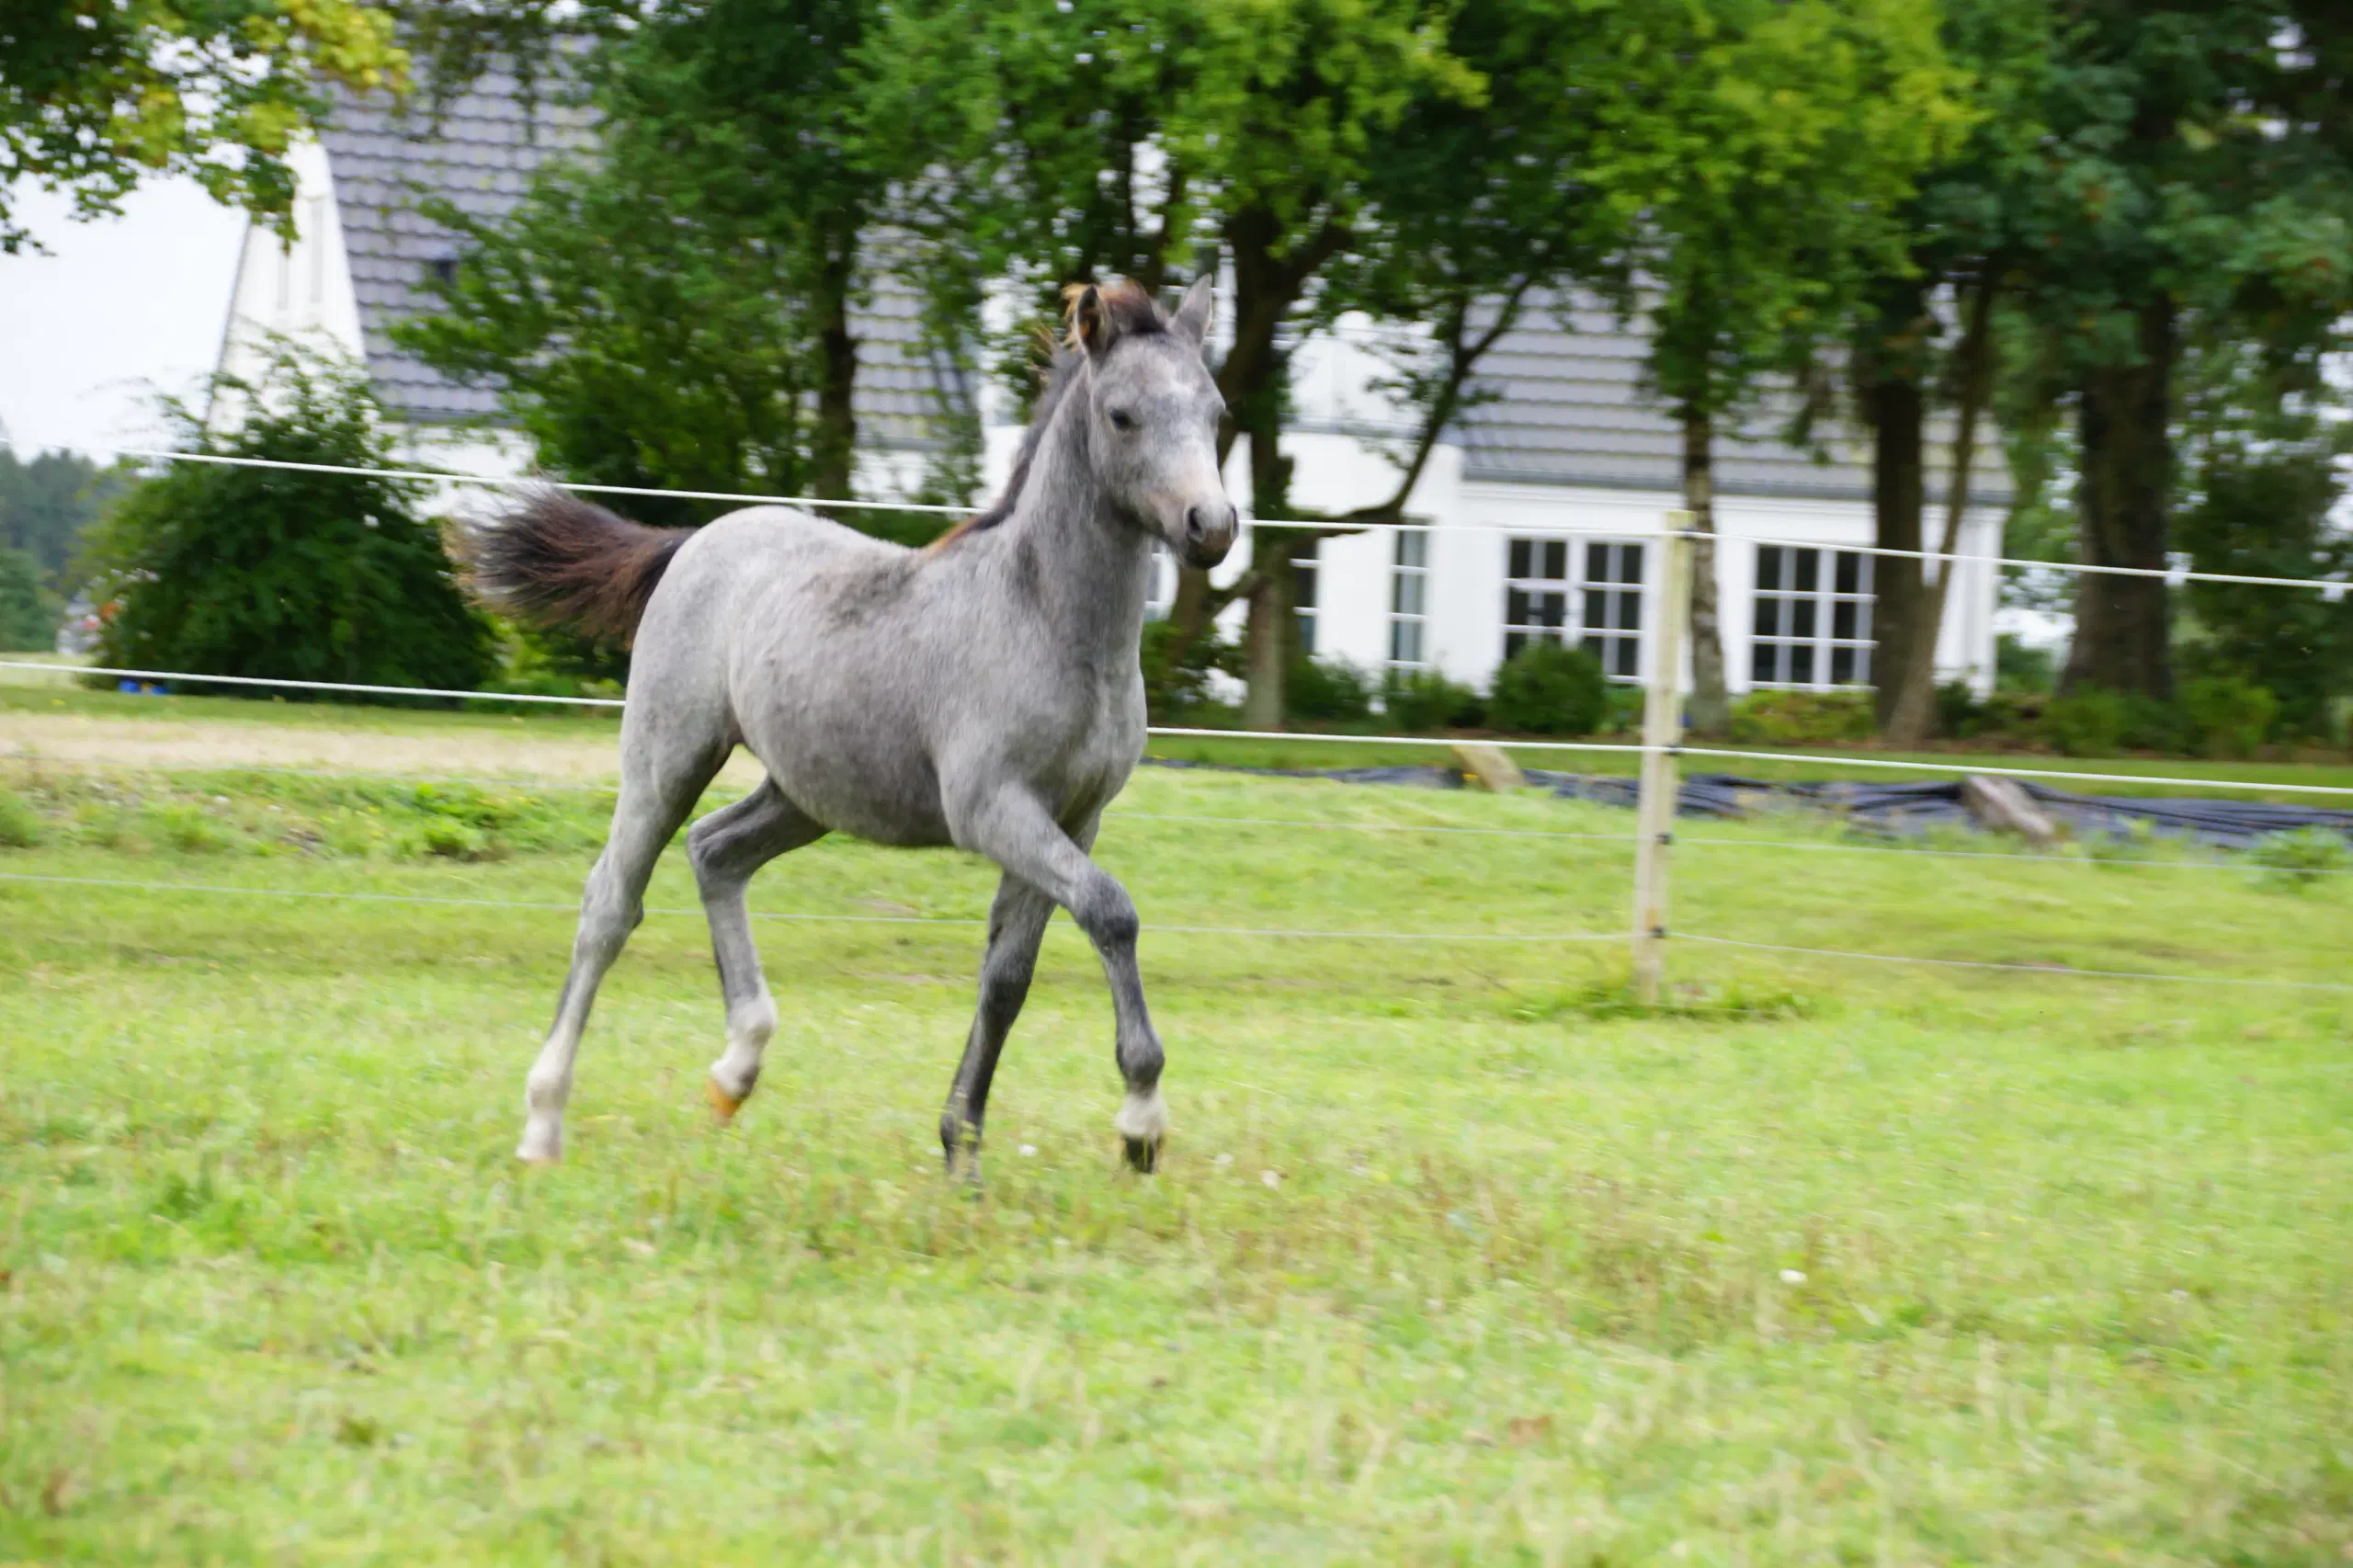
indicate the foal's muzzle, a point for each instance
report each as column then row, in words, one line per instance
column 1208, row 533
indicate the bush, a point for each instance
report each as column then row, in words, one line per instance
column 1327, row 690
column 2298, row 859
column 2227, row 716
column 311, row 576
column 1425, row 699
column 19, row 828
column 1801, row 718
column 29, row 613
column 1171, row 686
column 2018, row 667
column 1549, row 689
column 1625, row 712
column 2089, row 723
column 1956, row 708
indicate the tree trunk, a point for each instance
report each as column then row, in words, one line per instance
column 1711, row 708
column 1914, row 714
column 833, row 446
column 2123, row 625
column 1889, row 376
column 1253, row 380
column 1269, row 638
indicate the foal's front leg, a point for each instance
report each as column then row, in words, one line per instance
column 1017, row 923
column 1011, row 828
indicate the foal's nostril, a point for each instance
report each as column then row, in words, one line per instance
column 1194, row 527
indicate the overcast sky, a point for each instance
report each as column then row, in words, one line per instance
column 118, row 308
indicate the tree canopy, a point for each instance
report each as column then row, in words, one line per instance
column 97, row 97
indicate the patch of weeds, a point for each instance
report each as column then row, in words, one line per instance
column 188, row 828
column 2122, row 850
column 19, row 827
column 2294, row 861
column 1602, row 999
column 101, row 827
column 453, row 840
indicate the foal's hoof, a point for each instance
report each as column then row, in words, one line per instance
column 724, row 1106
column 1142, row 1124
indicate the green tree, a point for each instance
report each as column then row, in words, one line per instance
column 2264, row 450
column 46, row 503
column 1077, row 137
column 223, row 570
column 28, row 612
column 1926, row 332
column 676, row 309
column 2198, row 168
column 1772, row 148
column 95, row 97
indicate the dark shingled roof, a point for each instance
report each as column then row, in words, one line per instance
column 479, row 153
column 1570, row 410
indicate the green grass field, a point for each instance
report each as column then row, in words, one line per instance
column 1456, row 1257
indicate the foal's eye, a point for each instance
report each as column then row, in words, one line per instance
column 1122, row 420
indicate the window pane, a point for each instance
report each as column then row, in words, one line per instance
column 1628, row 651
column 1630, row 612
column 1809, row 566
column 1556, row 560
column 1409, row 592
column 1850, row 572
column 1405, row 641
column 1842, row 667
column 1596, row 609
column 1768, row 617
column 1307, row 632
column 1597, row 564
column 1413, row 548
column 1303, row 576
column 1801, row 618
column 1521, row 554
column 1552, row 609
column 1842, row 617
column 1630, row 562
column 1802, row 663
column 1516, row 606
column 1760, row 661
column 1769, row 567
column 1512, row 642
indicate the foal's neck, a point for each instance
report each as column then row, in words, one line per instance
column 1093, row 565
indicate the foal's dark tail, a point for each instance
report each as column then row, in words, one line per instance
column 559, row 560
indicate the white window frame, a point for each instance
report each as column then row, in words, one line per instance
column 1409, row 600
column 1306, row 567
column 1577, row 591
column 1813, row 619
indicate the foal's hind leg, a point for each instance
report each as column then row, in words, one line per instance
column 1017, row 923
column 726, row 847
column 654, row 799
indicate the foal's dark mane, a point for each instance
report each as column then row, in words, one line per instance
column 1133, row 313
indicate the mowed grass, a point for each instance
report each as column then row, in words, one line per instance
column 1455, row 1259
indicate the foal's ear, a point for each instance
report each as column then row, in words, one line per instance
column 1090, row 321
column 1193, row 318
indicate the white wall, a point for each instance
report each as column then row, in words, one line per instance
column 301, row 289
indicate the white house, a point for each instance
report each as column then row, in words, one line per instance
column 1536, row 504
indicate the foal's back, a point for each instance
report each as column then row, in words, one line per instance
column 858, row 671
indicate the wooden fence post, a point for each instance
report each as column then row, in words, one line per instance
column 1663, row 734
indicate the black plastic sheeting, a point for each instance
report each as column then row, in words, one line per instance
column 1893, row 811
